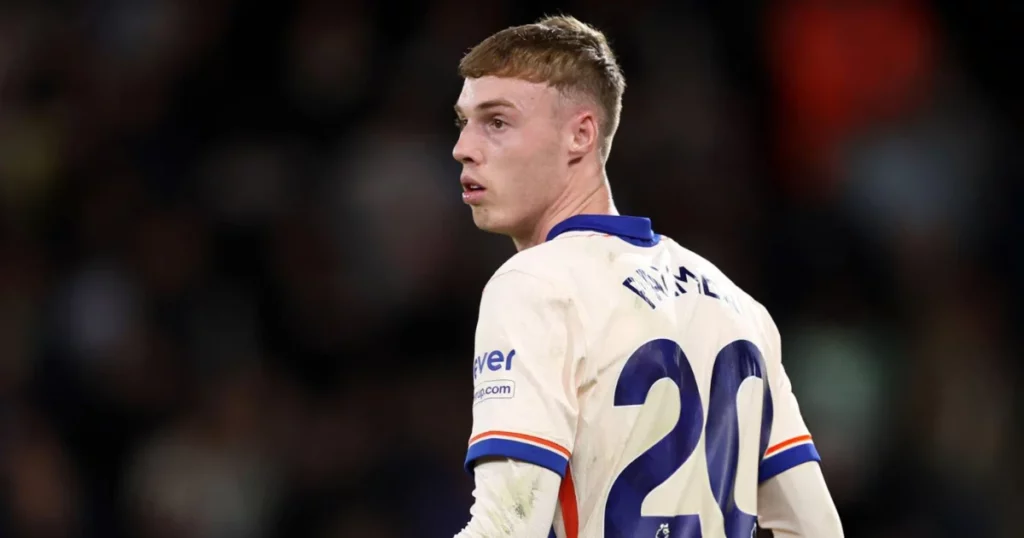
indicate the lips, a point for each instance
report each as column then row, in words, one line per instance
column 472, row 192
column 470, row 185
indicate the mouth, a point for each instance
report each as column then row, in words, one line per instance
column 469, row 185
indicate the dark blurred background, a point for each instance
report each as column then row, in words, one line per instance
column 238, row 287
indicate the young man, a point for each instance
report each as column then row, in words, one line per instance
column 623, row 386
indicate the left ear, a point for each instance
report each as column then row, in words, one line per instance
column 582, row 133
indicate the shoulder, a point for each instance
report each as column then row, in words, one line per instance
column 538, row 279
column 525, row 297
column 543, row 268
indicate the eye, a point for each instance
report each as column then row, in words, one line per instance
column 498, row 123
column 460, row 123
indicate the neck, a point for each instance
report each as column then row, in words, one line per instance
column 596, row 200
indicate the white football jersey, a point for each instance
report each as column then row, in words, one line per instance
column 638, row 372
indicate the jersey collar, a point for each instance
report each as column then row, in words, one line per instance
column 633, row 230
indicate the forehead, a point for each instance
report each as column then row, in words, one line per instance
column 517, row 93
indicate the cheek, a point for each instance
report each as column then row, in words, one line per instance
column 511, row 162
column 546, row 169
column 526, row 166
column 538, row 153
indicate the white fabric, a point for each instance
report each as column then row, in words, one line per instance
column 565, row 325
column 797, row 504
column 517, row 499
column 513, row 499
column 525, row 384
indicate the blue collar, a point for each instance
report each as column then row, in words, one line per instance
column 634, row 230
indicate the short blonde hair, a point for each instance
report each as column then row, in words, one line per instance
column 562, row 51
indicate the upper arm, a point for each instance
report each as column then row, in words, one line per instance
column 797, row 503
column 524, row 395
column 790, row 443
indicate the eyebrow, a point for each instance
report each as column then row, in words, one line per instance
column 493, row 103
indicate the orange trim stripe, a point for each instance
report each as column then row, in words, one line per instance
column 567, row 501
column 784, row 444
column 544, row 442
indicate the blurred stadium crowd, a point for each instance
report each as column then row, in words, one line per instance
column 238, row 287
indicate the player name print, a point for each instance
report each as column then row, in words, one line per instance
column 654, row 285
column 493, row 361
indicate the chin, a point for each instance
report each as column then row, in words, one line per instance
column 486, row 220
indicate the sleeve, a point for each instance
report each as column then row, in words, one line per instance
column 513, row 499
column 789, row 443
column 797, row 504
column 524, row 395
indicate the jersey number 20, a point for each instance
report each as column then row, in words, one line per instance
column 659, row 359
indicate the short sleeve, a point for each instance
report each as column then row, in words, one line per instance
column 524, row 398
column 790, row 443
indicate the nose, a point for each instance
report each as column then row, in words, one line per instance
column 464, row 150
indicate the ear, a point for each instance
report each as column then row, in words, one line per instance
column 583, row 133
